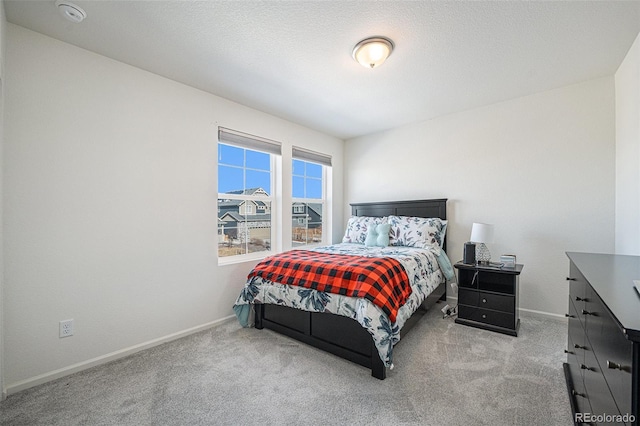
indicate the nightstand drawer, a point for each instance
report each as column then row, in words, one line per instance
column 481, row 299
column 487, row 316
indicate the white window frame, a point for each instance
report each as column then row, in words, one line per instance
column 324, row 161
column 253, row 143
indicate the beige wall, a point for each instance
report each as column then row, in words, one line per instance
column 110, row 185
column 541, row 168
column 627, row 80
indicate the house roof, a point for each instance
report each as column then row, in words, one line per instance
column 248, row 191
column 236, row 217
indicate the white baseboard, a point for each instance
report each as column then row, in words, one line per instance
column 534, row 313
column 56, row 374
column 521, row 311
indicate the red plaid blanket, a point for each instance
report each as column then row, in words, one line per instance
column 383, row 281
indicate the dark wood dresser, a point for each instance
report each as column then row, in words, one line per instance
column 603, row 352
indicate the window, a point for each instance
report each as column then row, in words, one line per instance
column 309, row 197
column 245, row 186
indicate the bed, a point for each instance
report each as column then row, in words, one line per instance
column 342, row 328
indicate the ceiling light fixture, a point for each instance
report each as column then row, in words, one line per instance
column 372, row 52
column 71, row 11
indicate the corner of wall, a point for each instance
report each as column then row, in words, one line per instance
column 627, row 147
column 3, row 38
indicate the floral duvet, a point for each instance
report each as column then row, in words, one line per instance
column 422, row 268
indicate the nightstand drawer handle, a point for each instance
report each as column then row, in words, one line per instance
column 615, row 366
column 484, row 300
column 569, row 352
column 580, row 299
column 589, row 313
column 569, row 316
column 571, row 279
column 579, row 347
column 584, row 367
column 484, row 316
column 574, row 393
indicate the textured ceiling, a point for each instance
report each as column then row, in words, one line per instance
column 293, row 59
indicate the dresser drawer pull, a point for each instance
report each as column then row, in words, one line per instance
column 574, row 393
column 584, row 367
column 589, row 313
column 569, row 352
column 579, row 347
column 615, row 366
column 484, row 300
column 571, row 279
column 581, row 299
column 484, row 316
column 569, row 316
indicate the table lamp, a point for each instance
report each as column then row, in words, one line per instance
column 482, row 233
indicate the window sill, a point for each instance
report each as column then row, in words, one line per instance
column 243, row 258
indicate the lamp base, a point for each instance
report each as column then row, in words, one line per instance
column 483, row 256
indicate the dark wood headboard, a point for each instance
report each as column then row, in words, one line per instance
column 419, row 208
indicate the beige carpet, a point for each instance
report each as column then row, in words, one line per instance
column 445, row 374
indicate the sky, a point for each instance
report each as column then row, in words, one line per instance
column 240, row 168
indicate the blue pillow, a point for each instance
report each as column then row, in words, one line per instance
column 378, row 236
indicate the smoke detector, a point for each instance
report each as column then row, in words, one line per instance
column 70, row 11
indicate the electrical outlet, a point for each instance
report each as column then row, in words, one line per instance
column 66, row 328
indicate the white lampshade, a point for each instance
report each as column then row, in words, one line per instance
column 372, row 52
column 482, row 233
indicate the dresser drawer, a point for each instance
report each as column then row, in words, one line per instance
column 487, row 316
column 595, row 386
column 481, row 299
column 578, row 286
column 576, row 337
column 613, row 351
column 576, row 373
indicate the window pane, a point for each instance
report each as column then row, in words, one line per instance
column 314, row 188
column 256, row 179
column 298, row 187
column 230, row 179
column 298, row 167
column 316, row 216
column 229, row 243
column 306, row 224
column 258, row 160
column 257, row 230
column 232, row 155
column 242, row 234
column 314, row 170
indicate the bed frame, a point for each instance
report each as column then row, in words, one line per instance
column 344, row 336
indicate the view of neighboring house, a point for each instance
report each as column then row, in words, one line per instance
column 248, row 222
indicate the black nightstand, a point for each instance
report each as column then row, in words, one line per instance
column 488, row 297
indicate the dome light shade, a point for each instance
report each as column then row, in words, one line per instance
column 70, row 11
column 373, row 51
